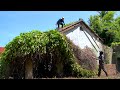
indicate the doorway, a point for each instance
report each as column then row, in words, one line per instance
column 118, row 64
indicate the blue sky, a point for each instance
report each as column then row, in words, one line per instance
column 12, row 23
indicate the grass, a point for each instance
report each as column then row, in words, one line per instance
column 95, row 77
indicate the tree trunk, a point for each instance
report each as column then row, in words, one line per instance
column 28, row 69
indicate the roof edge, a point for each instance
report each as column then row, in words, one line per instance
column 93, row 31
column 76, row 24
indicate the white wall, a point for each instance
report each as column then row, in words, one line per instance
column 83, row 39
column 73, row 35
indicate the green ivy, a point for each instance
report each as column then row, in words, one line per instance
column 115, row 44
column 52, row 46
column 69, row 24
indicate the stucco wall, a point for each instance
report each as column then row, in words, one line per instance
column 97, row 44
column 108, row 52
column 73, row 35
column 116, row 57
column 84, row 38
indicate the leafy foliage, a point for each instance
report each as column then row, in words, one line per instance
column 0, row 55
column 106, row 26
column 115, row 44
column 68, row 24
column 50, row 52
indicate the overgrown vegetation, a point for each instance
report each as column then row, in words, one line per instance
column 50, row 52
column 69, row 24
column 115, row 44
column 106, row 26
column 86, row 58
column 0, row 55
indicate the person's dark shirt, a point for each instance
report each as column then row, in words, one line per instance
column 60, row 21
column 101, row 59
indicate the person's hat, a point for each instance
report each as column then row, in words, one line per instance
column 62, row 17
column 101, row 52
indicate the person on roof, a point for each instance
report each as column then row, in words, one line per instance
column 60, row 22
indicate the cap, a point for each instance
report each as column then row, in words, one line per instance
column 101, row 52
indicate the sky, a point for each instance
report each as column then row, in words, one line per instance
column 12, row 23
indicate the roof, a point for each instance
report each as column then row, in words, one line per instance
column 75, row 24
column 2, row 49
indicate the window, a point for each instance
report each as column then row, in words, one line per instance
column 81, row 28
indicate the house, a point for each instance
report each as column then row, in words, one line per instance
column 2, row 49
column 82, row 35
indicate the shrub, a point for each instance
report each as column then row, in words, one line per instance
column 88, row 59
column 50, row 52
column 85, row 57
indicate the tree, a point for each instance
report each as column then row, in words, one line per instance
column 102, row 13
column 106, row 26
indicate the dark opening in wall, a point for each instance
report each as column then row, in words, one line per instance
column 118, row 64
column 81, row 28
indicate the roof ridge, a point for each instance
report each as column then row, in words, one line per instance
column 72, row 24
column 92, row 31
column 77, row 23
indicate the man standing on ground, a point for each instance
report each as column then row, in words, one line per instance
column 101, row 64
